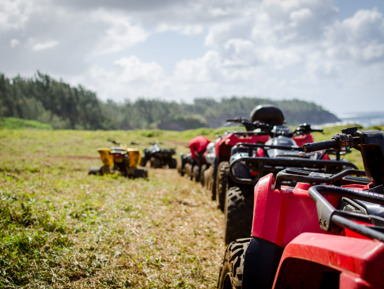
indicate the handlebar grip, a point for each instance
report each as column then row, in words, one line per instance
column 234, row 120
column 318, row 146
column 318, row 130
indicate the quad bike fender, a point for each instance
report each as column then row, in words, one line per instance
column 356, row 263
column 303, row 139
column 134, row 157
column 281, row 215
column 261, row 260
column 224, row 145
column 235, row 138
column 105, row 156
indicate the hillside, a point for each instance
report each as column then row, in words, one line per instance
column 62, row 106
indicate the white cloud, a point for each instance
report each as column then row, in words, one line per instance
column 183, row 29
column 119, row 33
column 14, row 14
column 128, row 77
column 14, row 42
column 45, row 45
column 131, row 69
column 204, row 69
column 358, row 39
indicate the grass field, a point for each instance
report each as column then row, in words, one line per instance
column 60, row 228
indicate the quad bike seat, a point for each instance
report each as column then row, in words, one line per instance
column 267, row 113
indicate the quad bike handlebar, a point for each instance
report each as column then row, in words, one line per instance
column 306, row 128
column 318, row 146
column 370, row 143
column 249, row 126
column 115, row 142
column 273, row 130
column 361, row 209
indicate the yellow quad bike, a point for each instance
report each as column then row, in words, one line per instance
column 122, row 159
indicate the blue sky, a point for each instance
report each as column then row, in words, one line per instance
column 330, row 52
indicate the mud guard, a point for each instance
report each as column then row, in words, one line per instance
column 260, row 263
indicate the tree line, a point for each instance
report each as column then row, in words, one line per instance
column 62, row 106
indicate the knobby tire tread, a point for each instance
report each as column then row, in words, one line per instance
column 238, row 213
column 231, row 270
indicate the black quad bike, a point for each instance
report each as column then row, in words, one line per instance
column 250, row 162
column 315, row 230
column 187, row 163
column 159, row 157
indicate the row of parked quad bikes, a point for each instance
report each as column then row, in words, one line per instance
column 296, row 214
column 124, row 160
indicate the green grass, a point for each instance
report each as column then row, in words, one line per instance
column 61, row 228
column 17, row 123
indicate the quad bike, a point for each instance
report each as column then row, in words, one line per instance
column 206, row 179
column 185, row 166
column 314, row 229
column 249, row 162
column 194, row 164
column 159, row 157
column 218, row 171
column 121, row 159
column 189, row 167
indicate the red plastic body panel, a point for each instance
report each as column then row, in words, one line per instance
column 281, row 215
column 303, row 139
column 359, row 262
column 224, row 145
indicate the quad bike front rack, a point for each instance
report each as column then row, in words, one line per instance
column 245, row 154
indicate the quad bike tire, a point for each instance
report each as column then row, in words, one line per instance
column 231, row 271
column 105, row 170
column 213, row 184
column 249, row 263
column 181, row 165
column 222, row 183
column 94, row 171
column 188, row 170
column 143, row 162
column 208, row 178
column 202, row 170
column 172, row 164
column 99, row 171
column 238, row 213
column 196, row 174
column 141, row 173
column 155, row 163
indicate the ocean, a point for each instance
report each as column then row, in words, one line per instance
column 365, row 119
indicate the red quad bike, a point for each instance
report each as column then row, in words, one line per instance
column 321, row 231
column 218, row 172
column 250, row 162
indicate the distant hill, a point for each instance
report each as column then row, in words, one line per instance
column 62, row 106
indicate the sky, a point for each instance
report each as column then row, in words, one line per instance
column 330, row 52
